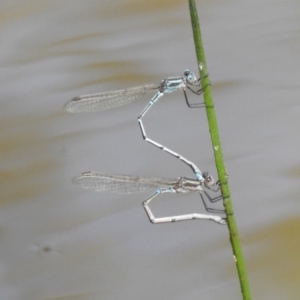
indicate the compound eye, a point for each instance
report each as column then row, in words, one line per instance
column 187, row 72
column 205, row 175
column 208, row 179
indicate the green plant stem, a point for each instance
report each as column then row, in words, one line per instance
column 214, row 132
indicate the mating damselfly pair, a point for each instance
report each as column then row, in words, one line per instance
column 131, row 184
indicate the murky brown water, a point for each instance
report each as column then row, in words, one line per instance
column 60, row 242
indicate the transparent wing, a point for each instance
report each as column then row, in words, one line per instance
column 107, row 100
column 121, row 184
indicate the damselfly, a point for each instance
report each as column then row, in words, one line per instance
column 126, row 184
column 107, row 100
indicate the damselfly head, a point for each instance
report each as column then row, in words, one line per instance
column 208, row 179
column 190, row 76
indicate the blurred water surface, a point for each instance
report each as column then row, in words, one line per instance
column 60, row 242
